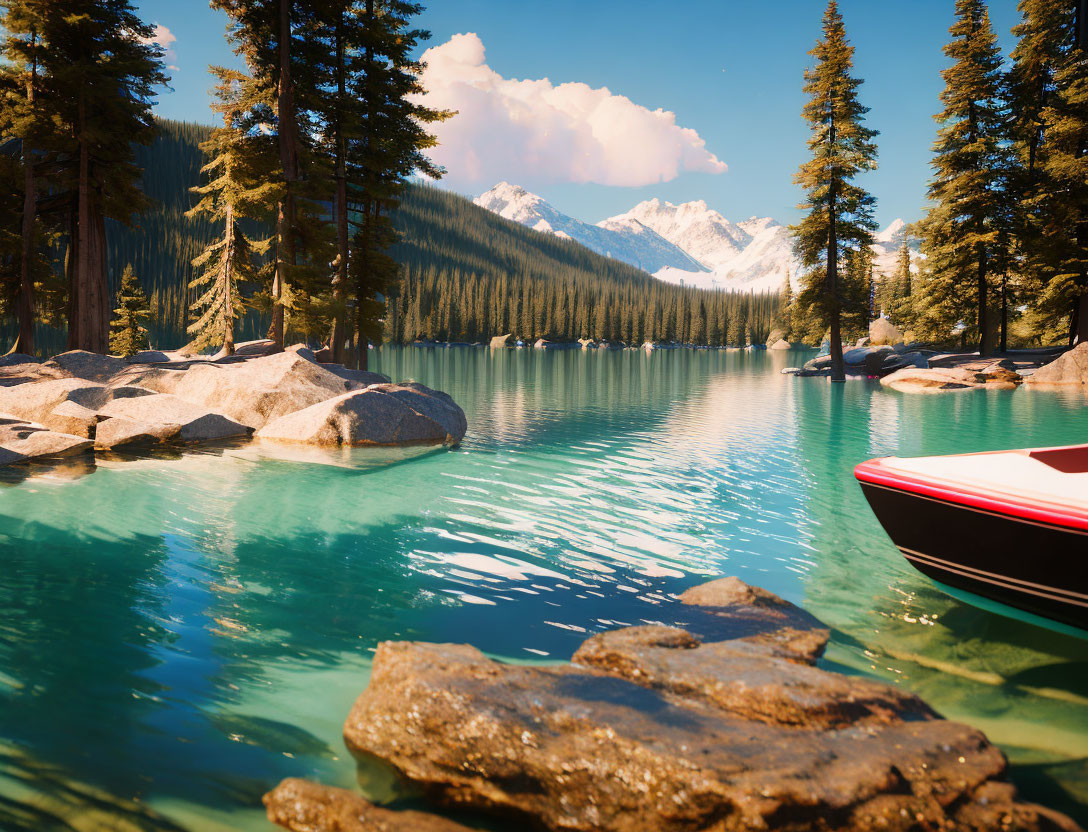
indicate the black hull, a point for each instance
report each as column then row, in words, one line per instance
column 1035, row 567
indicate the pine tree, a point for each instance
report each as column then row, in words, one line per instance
column 128, row 335
column 239, row 159
column 783, row 320
column 100, row 68
column 839, row 213
column 275, row 39
column 390, row 148
column 900, row 308
column 29, row 118
column 963, row 227
column 1053, row 191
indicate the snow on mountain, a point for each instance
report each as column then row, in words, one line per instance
column 688, row 243
column 893, row 234
column 753, row 255
column 622, row 238
column 887, row 244
column 703, row 233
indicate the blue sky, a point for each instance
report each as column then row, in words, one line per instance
column 730, row 71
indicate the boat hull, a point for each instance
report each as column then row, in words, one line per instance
column 1032, row 565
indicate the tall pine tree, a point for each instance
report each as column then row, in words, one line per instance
column 99, row 67
column 1051, row 80
column 839, row 213
column 241, row 165
column 963, row 228
column 390, row 148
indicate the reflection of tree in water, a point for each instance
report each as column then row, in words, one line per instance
column 515, row 394
column 1022, row 685
column 81, row 619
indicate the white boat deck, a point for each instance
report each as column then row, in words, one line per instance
column 1057, row 475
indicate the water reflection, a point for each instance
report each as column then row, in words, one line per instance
column 183, row 633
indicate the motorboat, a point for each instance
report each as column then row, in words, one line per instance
column 1007, row 526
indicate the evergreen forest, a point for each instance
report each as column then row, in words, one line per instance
column 468, row 274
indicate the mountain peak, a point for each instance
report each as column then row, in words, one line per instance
column 892, row 232
column 622, row 238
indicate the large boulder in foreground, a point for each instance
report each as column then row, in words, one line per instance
column 253, row 391
column 303, row 806
column 1070, row 368
column 652, row 727
column 382, row 414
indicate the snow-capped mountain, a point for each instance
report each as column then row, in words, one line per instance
column 753, row 255
column 688, row 243
column 622, row 238
column 703, row 233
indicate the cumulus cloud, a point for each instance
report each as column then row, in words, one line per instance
column 525, row 130
column 166, row 39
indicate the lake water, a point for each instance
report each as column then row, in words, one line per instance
column 177, row 635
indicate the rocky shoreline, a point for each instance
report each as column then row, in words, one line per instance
column 80, row 402
column 725, row 725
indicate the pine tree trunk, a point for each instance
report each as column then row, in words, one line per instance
column 985, row 334
column 226, row 277
column 288, row 132
column 1004, row 313
column 340, row 278
column 71, row 273
column 1080, row 331
column 85, row 327
column 24, row 301
column 91, row 309
column 101, row 306
column 838, row 366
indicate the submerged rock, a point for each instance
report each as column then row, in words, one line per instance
column 303, row 806
column 1070, row 368
column 653, row 727
column 382, row 414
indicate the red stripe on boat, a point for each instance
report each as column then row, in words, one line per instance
column 1021, row 507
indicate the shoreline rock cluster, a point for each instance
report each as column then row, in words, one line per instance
column 78, row 401
column 724, row 725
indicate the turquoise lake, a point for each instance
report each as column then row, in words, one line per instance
column 178, row 634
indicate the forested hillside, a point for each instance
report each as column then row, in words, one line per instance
column 468, row 275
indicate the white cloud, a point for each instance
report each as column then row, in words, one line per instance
column 166, row 39
column 524, row 130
